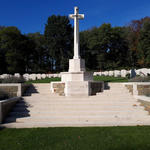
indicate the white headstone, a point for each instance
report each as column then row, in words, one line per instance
column 43, row 76
column 123, row 73
column 17, row 75
column 117, row 73
column 38, row 76
column 111, row 73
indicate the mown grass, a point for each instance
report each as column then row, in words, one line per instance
column 96, row 78
column 46, row 80
column 110, row 79
column 88, row 138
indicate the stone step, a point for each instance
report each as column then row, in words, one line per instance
column 77, row 108
column 80, row 104
column 113, row 107
column 78, row 113
column 117, row 92
column 94, row 98
column 111, row 95
column 75, row 119
column 74, row 124
column 43, row 103
column 78, row 98
column 100, row 100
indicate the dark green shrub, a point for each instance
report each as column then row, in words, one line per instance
column 13, row 80
column 3, row 95
column 140, row 79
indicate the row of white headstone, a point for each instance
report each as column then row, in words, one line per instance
column 124, row 73
column 115, row 73
column 31, row 76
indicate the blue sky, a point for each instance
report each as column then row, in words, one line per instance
column 31, row 15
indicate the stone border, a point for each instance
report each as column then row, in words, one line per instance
column 135, row 84
column 19, row 85
column 6, row 106
column 144, row 98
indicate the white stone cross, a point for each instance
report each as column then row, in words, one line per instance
column 76, row 16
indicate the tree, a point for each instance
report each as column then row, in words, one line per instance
column 118, row 50
column 59, row 34
column 13, row 45
column 134, row 29
column 144, row 45
column 40, row 60
column 106, row 47
column 3, row 63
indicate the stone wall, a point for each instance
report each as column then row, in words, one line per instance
column 138, row 88
column 14, row 90
column 58, row 87
column 6, row 106
column 11, row 90
column 143, row 90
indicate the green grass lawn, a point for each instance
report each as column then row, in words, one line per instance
column 46, row 80
column 88, row 138
column 110, row 79
column 96, row 78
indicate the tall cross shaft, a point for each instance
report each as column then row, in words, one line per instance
column 76, row 16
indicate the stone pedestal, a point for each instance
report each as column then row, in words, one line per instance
column 77, row 82
column 76, row 65
column 76, row 76
column 77, row 88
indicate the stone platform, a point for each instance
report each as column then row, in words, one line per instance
column 113, row 107
column 77, row 88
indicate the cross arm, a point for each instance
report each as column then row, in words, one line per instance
column 79, row 16
column 71, row 16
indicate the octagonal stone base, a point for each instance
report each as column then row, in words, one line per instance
column 76, row 76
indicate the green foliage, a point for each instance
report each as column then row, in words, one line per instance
column 138, row 37
column 103, row 48
column 40, row 57
column 144, row 45
column 110, row 79
column 14, row 50
column 96, row 78
column 13, row 80
column 106, row 46
column 81, row 138
column 46, row 80
column 59, row 40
